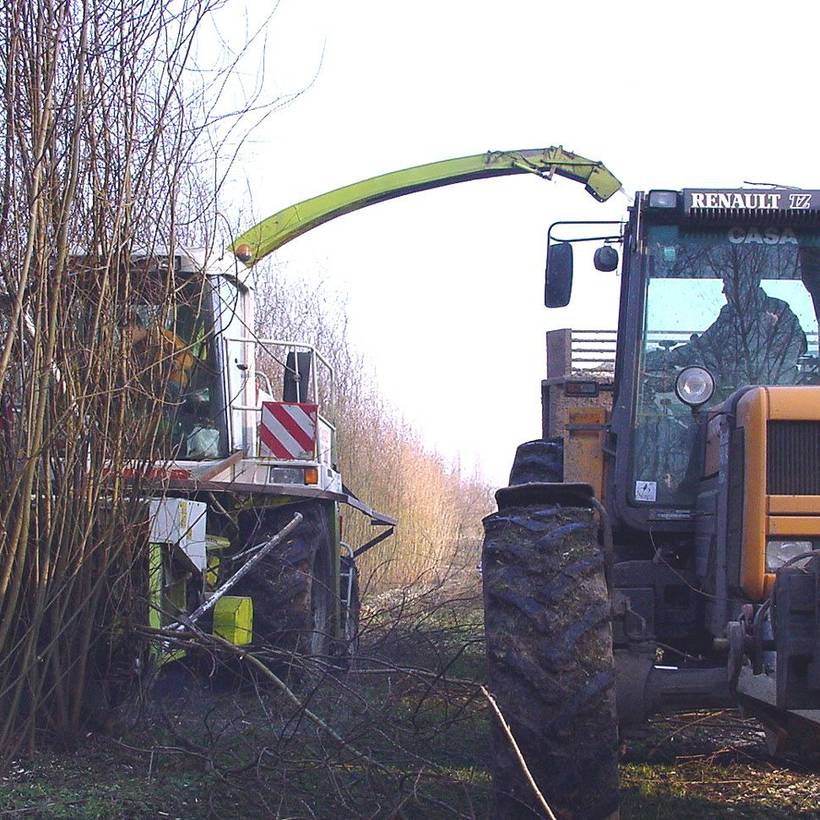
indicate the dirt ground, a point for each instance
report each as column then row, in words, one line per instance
column 412, row 742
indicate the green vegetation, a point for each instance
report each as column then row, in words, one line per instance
column 102, row 782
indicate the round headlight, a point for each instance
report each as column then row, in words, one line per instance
column 694, row 386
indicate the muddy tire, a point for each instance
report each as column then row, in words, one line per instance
column 292, row 588
column 550, row 662
column 539, row 460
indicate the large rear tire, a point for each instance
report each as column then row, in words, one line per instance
column 292, row 588
column 550, row 662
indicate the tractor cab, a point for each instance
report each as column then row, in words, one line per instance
column 723, row 305
column 720, row 291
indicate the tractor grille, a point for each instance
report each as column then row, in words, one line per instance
column 793, row 458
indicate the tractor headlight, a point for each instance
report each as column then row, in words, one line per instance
column 663, row 199
column 779, row 553
column 694, row 386
column 287, row 475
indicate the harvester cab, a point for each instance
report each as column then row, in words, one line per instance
column 220, row 381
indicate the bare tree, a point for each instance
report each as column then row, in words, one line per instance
column 101, row 171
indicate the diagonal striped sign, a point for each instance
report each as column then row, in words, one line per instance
column 288, row 430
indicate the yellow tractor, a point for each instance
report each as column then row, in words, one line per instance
column 659, row 546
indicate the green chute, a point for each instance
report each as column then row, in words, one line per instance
column 273, row 232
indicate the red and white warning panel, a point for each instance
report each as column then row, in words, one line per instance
column 288, row 430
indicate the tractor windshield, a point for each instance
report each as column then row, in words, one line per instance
column 740, row 301
column 170, row 330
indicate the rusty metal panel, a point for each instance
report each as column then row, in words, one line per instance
column 556, row 404
column 583, row 453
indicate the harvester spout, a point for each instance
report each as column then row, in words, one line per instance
column 278, row 229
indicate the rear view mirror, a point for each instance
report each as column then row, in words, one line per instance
column 558, row 287
column 606, row 259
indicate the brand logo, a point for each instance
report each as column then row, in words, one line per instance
column 762, row 236
column 750, row 201
column 800, row 202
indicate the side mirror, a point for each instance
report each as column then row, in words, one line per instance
column 606, row 259
column 558, row 287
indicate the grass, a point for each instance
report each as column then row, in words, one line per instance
column 411, row 706
column 101, row 782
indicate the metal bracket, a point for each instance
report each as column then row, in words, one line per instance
column 382, row 536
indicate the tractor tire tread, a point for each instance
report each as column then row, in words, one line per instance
column 551, row 667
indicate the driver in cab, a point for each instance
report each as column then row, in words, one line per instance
column 164, row 348
column 755, row 339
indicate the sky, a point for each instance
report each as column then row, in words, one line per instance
column 445, row 288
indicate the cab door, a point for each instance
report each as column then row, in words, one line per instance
column 237, row 352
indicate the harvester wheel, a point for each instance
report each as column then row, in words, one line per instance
column 551, row 667
column 292, row 588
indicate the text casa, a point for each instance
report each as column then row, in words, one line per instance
column 762, row 236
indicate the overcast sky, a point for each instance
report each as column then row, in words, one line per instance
column 445, row 288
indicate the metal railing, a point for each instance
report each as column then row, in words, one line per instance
column 270, row 348
column 276, row 350
column 593, row 349
column 569, row 351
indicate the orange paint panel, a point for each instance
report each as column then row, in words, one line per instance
column 587, row 415
column 752, row 413
column 794, row 504
column 583, row 455
column 795, row 526
column 796, row 402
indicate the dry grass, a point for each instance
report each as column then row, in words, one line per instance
column 713, row 764
column 381, row 457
